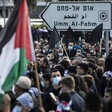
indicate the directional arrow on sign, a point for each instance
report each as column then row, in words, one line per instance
column 78, row 15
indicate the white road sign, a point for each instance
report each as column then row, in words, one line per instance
column 78, row 15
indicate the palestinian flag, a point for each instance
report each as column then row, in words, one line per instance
column 16, row 46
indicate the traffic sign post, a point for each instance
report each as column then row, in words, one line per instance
column 79, row 16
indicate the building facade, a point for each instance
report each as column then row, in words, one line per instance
column 6, row 7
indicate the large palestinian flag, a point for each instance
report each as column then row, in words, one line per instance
column 16, row 46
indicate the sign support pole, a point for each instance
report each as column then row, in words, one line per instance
column 107, row 43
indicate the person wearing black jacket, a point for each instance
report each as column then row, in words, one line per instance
column 49, row 102
column 67, row 84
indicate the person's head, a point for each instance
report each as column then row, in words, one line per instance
column 89, row 81
column 88, row 55
column 108, row 64
column 109, row 84
column 55, row 77
column 46, row 79
column 22, row 85
column 50, row 56
column 55, row 61
column 93, row 102
column 44, row 50
column 30, row 66
column 65, row 102
column 91, row 60
column 76, row 61
column 79, row 51
column 108, row 95
column 72, row 53
column 70, row 45
column 110, row 50
column 82, row 68
column 85, row 47
column 61, row 69
column 39, row 56
column 92, row 67
column 65, row 63
column 80, row 83
column 101, row 62
column 72, row 69
column 67, row 84
column 23, row 101
column 32, row 77
column 43, row 62
column 60, row 52
column 99, row 72
column 64, row 96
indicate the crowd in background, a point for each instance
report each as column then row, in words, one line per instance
column 73, row 77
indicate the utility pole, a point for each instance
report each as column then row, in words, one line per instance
column 4, row 14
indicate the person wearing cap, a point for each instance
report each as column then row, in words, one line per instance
column 22, row 85
column 23, row 98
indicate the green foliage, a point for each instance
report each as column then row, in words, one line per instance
column 40, row 26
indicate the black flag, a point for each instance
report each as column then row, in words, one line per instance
column 54, row 39
column 96, row 35
column 69, row 36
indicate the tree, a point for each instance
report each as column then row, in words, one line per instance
column 31, row 4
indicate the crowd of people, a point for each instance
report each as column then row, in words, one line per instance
column 72, row 78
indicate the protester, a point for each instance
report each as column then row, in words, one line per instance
column 46, row 82
column 89, row 82
column 44, row 65
column 101, row 62
column 108, row 98
column 6, row 103
column 93, row 103
column 80, row 85
column 107, row 71
column 51, row 103
column 82, row 69
column 67, row 84
column 64, row 102
column 71, row 77
column 23, row 98
column 32, row 77
column 92, row 72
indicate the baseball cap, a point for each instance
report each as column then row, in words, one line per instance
column 23, row 82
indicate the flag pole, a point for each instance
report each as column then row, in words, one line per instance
column 100, row 45
column 38, row 84
column 64, row 47
column 107, row 43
